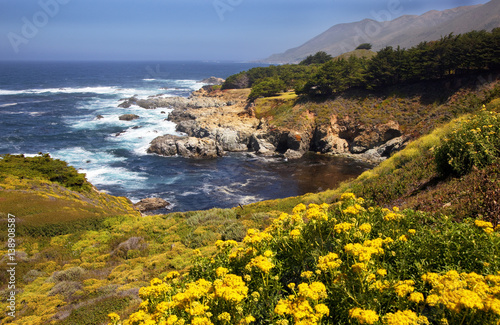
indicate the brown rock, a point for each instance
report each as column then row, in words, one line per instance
column 151, row 204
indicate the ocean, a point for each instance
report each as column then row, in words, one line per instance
column 52, row 107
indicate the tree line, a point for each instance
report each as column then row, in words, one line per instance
column 320, row 75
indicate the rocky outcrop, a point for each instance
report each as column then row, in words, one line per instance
column 217, row 121
column 349, row 137
column 174, row 102
column 189, row 147
column 213, row 81
column 151, row 204
column 128, row 117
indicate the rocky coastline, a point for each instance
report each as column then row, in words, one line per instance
column 216, row 122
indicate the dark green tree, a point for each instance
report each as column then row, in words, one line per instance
column 318, row 58
column 364, row 46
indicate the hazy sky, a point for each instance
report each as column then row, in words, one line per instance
column 181, row 29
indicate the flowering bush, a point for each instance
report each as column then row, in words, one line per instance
column 475, row 142
column 343, row 263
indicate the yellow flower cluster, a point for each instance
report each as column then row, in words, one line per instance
column 221, row 245
column 366, row 228
column 364, row 316
column 406, row 317
column 299, row 306
column 313, row 291
column 316, row 212
column 402, row 288
column 343, row 227
column 365, row 251
column 329, row 262
column 261, row 262
column 465, row 291
column 295, row 233
column 347, row 197
column 486, row 226
column 231, row 288
column 392, row 216
column 254, row 236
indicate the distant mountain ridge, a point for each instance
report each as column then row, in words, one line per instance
column 405, row 31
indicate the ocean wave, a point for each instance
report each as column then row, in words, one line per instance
column 9, row 104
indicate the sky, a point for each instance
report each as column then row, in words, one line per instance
column 210, row 30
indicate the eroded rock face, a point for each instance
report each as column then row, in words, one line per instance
column 212, row 127
column 189, row 147
column 151, row 204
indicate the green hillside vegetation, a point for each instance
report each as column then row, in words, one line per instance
column 320, row 76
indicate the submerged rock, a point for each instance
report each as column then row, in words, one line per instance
column 128, row 117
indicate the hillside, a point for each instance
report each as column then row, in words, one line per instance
column 405, row 31
column 345, row 260
column 88, row 254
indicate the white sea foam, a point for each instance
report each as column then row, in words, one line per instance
column 98, row 167
column 9, row 104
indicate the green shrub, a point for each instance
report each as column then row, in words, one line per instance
column 71, row 274
column 474, row 143
column 44, row 167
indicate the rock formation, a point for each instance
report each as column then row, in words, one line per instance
column 151, row 204
column 128, row 117
column 215, row 122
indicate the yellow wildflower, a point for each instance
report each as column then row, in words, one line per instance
column 314, row 291
column 343, row 227
column 403, row 288
column 295, row 233
column 366, row 228
column 483, row 224
column 347, row 196
column 299, row 208
column 261, row 262
column 403, row 238
column 391, row 216
column 172, row 275
column 416, row 297
column 322, row 310
column 221, row 271
column 224, row 317
column 230, row 288
column 432, row 300
column 201, row 321
column 329, row 262
column 358, row 267
column 364, row 316
column 406, row 317
column 114, row 317
column 382, row 272
column 307, row 274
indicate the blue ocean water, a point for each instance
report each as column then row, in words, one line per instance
column 52, row 107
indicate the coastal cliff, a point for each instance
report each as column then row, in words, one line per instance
column 216, row 122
